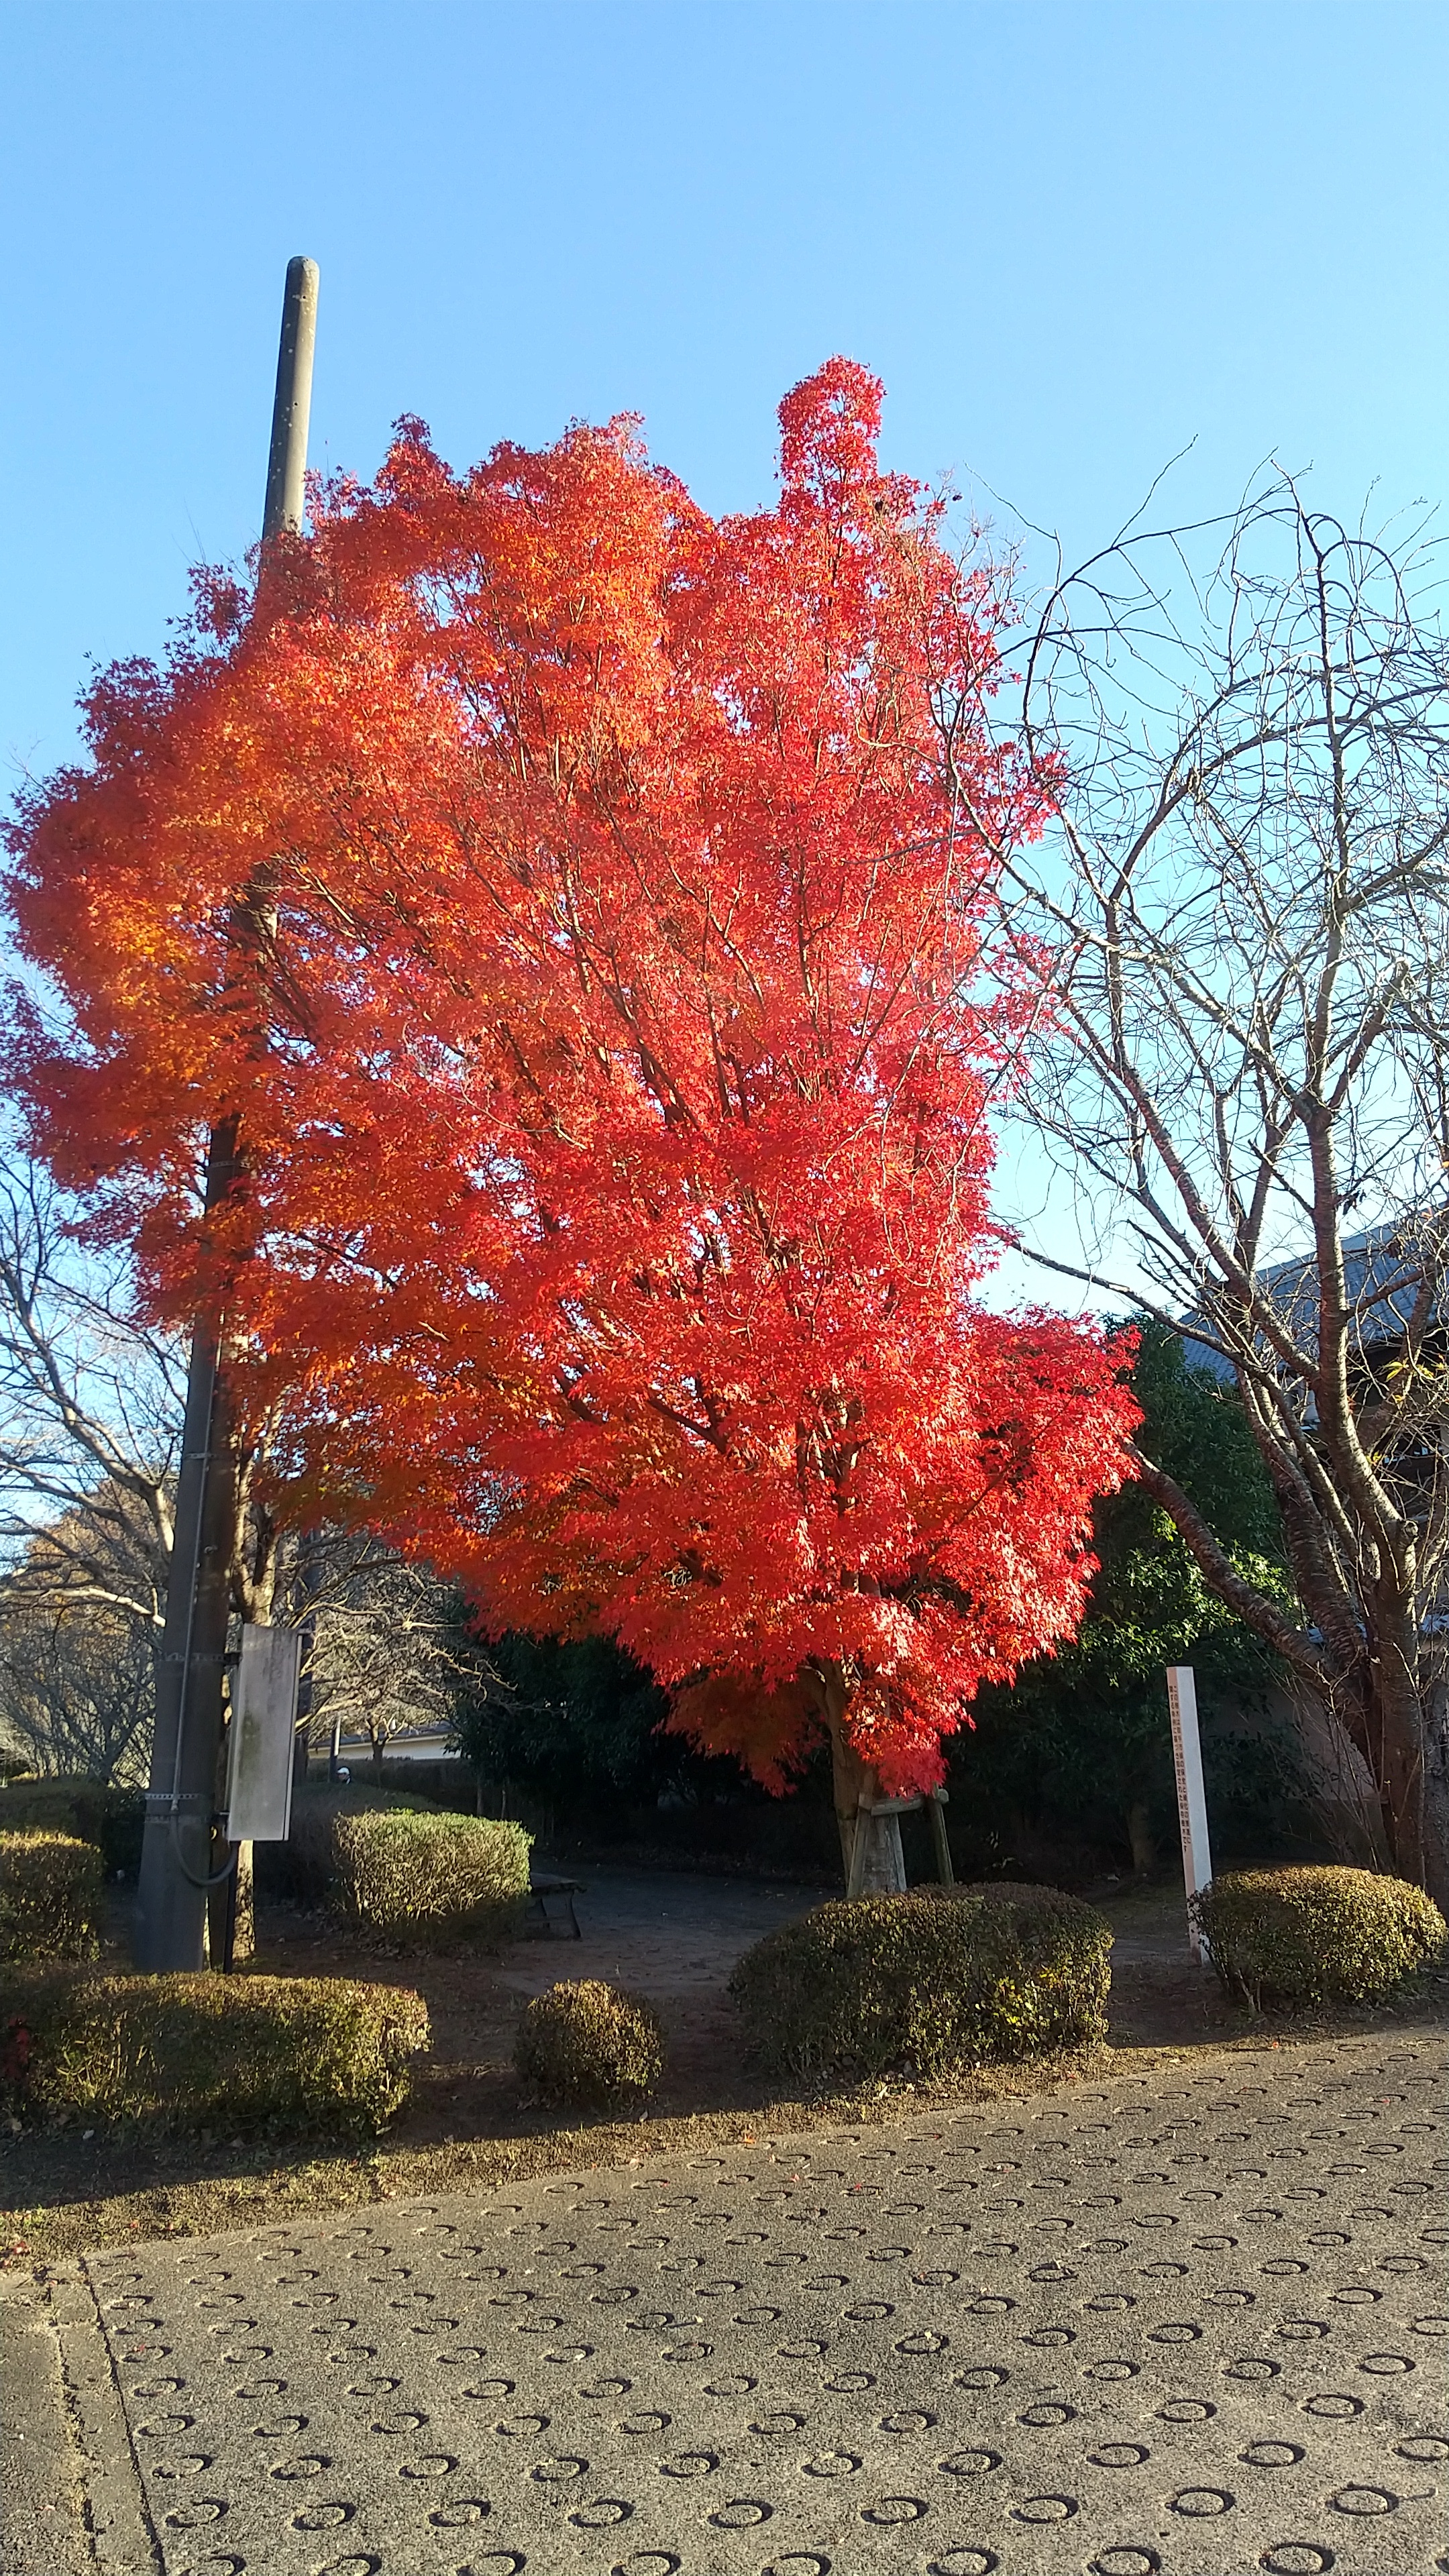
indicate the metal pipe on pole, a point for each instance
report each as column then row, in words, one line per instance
column 181, row 1798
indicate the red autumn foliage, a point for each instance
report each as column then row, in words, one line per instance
column 568, row 896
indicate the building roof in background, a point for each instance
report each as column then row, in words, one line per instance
column 1382, row 1271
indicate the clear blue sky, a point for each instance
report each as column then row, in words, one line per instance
column 1071, row 238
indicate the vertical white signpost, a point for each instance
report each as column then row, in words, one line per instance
column 1197, row 1859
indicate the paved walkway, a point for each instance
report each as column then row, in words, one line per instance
column 1191, row 2322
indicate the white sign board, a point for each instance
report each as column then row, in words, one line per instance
column 1197, row 1859
column 263, row 1716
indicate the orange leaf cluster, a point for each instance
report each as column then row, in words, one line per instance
column 568, row 897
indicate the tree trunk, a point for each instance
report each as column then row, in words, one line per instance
column 1396, row 1730
column 234, row 1890
column 1378, row 1697
column 852, row 1780
column 244, row 1934
column 1139, row 1835
column 1343, row 1794
column 1436, row 1797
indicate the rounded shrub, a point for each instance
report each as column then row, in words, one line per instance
column 589, row 2043
column 936, row 1980
column 209, row 2051
column 50, row 1897
column 1316, row 1935
column 426, row 1878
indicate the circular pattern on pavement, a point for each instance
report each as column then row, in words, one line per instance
column 1125, row 2310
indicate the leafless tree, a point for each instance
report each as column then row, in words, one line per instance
column 90, row 1412
column 91, row 1403
column 388, row 1650
column 1241, row 1077
column 76, row 1685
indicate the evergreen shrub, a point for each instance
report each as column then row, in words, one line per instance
column 50, row 1896
column 1316, row 1935
column 589, row 2043
column 933, row 1981
column 94, row 1811
column 231, row 2053
column 428, row 1878
column 304, row 1867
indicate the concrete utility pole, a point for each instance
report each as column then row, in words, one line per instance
column 181, row 1800
column 292, row 403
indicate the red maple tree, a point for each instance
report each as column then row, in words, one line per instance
column 612, row 1044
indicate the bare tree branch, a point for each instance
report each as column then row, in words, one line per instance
column 1243, row 1075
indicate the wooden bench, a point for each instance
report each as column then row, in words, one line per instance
column 539, row 1892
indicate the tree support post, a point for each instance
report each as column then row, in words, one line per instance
column 877, row 1863
column 936, row 1804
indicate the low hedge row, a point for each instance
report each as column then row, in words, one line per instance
column 232, row 2053
column 93, row 1811
column 399, row 1869
column 430, row 1878
column 935, row 1980
column 1316, row 1935
column 585, row 2042
column 50, row 1896
column 304, row 1867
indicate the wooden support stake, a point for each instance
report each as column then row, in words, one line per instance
column 859, row 1846
column 936, row 1806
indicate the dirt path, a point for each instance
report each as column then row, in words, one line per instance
column 672, row 1938
column 675, row 1938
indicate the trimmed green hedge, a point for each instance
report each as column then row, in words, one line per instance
column 230, row 2053
column 50, row 1897
column 304, row 1867
column 428, row 1878
column 936, row 1980
column 587, row 2042
column 92, row 1810
column 1316, row 1935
